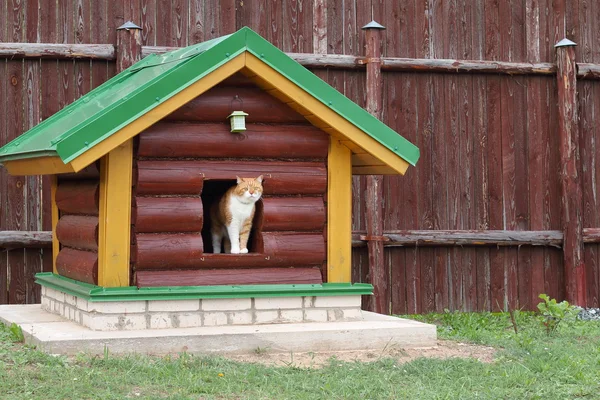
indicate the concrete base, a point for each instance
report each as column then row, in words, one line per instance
column 54, row 334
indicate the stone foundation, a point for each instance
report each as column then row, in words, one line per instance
column 157, row 314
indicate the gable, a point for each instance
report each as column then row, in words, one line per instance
column 158, row 85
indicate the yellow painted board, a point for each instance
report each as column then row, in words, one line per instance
column 55, row 216
column 38, row 166
column 115, row 216
column 327, row 115
column 373, row 170
column 365, row 159
column 159, row 112
column 339, row 213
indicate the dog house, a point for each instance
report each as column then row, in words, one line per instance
column 137, row 162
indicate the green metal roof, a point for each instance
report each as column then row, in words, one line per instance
column 150, row 82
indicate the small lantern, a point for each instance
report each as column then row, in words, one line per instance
column 238, row 121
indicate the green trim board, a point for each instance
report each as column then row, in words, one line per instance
column 147, row 84
column 95, row 293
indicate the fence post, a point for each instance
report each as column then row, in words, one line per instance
column 129, row 45
column 570, row 179
column 378, row 272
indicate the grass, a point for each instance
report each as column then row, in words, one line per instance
column 529, row 365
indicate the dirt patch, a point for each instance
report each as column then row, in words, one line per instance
column 444, row 349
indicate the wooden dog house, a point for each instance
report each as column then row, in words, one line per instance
column 136, row 161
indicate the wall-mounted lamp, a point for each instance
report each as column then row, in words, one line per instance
column 238, row 121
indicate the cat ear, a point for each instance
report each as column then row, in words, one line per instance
column 239, row 180
column 260, row 179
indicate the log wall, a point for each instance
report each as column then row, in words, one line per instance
column 185, row 162
column 77, row 199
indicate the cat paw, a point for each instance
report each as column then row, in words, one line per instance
column 244, row 251
column 235, row 251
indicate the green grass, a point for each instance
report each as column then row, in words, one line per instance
column 529, row 365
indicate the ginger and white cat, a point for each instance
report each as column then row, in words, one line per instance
column 231, row 216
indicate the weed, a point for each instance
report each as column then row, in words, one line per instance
column 16, row 333
column 261, row 350
column 553, row 313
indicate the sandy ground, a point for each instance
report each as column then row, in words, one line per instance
column 444, row 349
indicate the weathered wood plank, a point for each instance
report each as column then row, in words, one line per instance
column 25, row 239
column 469, row 238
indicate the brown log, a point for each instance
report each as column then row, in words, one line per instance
column 78, row 231
column 216, row 141
column 78, row 264
column 283, row 178
column 172, row 180
column 166, row 250
column 571, row 191
column 57, row 51
column 293, row 214
column 218, row 103
column 92, row 171
column 465, row 238
column 228, row 277
column 292, row 249
column 25, row 239
column 78, row 197
column 167, row 214
column 185, row 251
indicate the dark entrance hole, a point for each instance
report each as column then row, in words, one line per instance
column 212, row 192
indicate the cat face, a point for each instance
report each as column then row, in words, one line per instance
column 249, row 189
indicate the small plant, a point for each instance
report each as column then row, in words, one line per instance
column 553, row 313
column 261, row 350
column 16, row 333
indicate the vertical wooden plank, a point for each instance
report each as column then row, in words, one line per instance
column 553, row 263
column 164, row 24
column 196, row 21
column 98, row 15
column 179, row 20
column 228, row 14
column 16, row 218
column 437, row 98
column 480, row 160
column 48, row 106
column 33, row 184
column 339, row 213
column 522, row 280
column 320, row 11
column 33, row 260
column 419, row 47
column 290, row 27
column 570, row 179
column 275, row 31
column 585, row 90
column 494, row 155
column 451, row 138
column 3, row 180
column 535, row 147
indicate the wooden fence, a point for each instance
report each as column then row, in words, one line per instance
column 503, row 204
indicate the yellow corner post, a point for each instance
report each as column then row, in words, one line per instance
column 339, row 213
column 115, row 216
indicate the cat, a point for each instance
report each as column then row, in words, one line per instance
column 231, row 216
